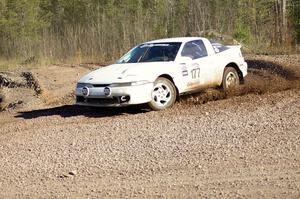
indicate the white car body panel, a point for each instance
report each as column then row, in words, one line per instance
column 187, row 75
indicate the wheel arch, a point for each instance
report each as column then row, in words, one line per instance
column 235, row 66
column 171, row 79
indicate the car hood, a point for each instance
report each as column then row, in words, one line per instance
column 118, row 73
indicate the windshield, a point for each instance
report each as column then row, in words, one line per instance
column 155, row 52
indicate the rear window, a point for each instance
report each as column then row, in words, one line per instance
column 218, row 47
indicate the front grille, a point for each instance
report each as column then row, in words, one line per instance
column 97, row 100
column 79, row 99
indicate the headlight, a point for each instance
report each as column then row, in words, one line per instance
column 137, row 83
column 107, row 91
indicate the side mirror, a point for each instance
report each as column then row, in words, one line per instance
column 184, row 60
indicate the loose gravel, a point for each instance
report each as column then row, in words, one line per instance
column 240, row 147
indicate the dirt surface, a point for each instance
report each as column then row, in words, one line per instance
column 242, row 144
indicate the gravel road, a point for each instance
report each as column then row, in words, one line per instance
column 239, row 147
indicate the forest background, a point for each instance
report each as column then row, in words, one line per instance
column 94, row 31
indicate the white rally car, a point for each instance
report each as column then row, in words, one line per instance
column 159, row 71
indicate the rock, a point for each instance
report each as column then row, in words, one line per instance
column 63, row 176
column 1, row 98
column 73, row 173
column 14, row 105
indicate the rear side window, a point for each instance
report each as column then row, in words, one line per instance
column 218, row 47
column 194, row 49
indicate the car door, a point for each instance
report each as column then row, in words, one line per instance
column 199, row 70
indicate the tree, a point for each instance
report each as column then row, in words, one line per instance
column 105, row 29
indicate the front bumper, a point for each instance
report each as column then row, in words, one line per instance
column 119, row 96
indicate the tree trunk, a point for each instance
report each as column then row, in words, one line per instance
column 283, row 22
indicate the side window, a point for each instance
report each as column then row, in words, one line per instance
column 194, row 49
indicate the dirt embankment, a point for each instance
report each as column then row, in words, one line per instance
column 16, row 83
column 37, row 88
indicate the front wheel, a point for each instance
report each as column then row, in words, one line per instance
column 163, row 94
column 230, row 79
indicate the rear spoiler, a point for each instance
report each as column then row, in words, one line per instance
column 234, row 46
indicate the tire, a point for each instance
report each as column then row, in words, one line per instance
column 163, row 94
column 230, row 79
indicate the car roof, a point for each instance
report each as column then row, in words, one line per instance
column 176, row 39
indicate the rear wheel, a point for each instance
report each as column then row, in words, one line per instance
column 163, row 94
column 230, row 79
